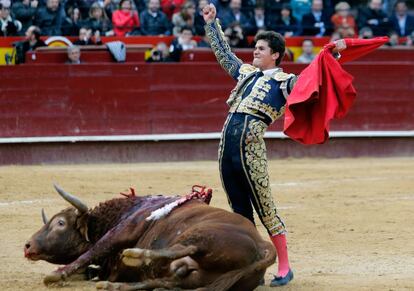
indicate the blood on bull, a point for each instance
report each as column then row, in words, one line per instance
column 156, row 241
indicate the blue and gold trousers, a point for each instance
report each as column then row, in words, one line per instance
column 243, row 170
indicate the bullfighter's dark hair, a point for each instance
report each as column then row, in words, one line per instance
column 276, row 43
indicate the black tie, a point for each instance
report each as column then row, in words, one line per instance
column 259, row 74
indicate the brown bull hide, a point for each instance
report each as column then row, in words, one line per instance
column 194, row 246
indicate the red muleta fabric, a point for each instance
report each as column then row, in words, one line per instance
column 324, row 91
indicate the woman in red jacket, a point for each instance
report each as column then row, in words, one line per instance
column 125, row 19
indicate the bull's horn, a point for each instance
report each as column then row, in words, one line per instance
column 45, row 220
column 82, row 207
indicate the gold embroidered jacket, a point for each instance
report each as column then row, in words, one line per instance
column 255, row 94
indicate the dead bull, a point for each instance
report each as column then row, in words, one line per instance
column 154, row 242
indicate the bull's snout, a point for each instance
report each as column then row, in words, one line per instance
column 28, row 250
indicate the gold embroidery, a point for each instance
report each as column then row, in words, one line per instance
column 247, row 69
column 282, row 76
column 250, row 106
column 236, row 94
column 221, row 48
column 256, row 160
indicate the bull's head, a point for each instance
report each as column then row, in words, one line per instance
column 64, row 237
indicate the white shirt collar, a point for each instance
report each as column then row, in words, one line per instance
column 270, row 72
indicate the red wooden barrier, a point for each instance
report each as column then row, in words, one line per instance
column 140, row 98
column 136, row 53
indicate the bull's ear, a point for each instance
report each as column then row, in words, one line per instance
column 82, row 225
column 84, row 231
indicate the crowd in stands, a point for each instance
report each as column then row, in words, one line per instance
column 91, row 19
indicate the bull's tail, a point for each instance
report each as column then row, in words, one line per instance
column 229, row 279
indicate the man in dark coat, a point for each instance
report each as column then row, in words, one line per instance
column 373, row 17
column 401, row 21
column 24, row 11
column 317, row 22
column 50, row 18
column 154, row 21
column 31, row 42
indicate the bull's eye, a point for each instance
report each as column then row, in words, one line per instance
column 61, row 222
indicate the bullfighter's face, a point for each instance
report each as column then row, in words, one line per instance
column 263, row 57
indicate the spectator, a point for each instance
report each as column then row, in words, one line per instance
column 74, row 54
column 199, row 19
column 25, row 11
column 31, row 42
column 9, row 26
column 49, row 18
column 184, row 18
column 235, row 36
column 170, row 7
column 85, row 37
column 394, row 39
column 234, row 14
column 260, row 19
column 366, row 33
column 154, row 21
column 99, row 21
column 182, row 43
column 373, row 17
column 125, row 19
column 273, row 7
column 140, row 5
column 335, row 36
column 343, row 21
column 110, row 7
column 204, row 42
column 73, row 22
column 69, row 5
column 307, row 55
column 286, row 24
column 410, row 39
column 388, row 6
column 300, row 8
column 160, row 53
column 317, row 22
column 401, row 22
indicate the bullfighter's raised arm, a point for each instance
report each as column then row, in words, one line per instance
column 227, row 59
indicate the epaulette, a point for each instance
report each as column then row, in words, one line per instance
column 246, row 69
column 282, row 76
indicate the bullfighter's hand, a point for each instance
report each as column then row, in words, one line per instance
column 209, row 13
column 53, row 278
column 340, row 45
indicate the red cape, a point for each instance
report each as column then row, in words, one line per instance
column 324, row 91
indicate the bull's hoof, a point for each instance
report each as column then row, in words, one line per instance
column 54, row 278
column 135, row 257
column 106, row 285
column 134, row 253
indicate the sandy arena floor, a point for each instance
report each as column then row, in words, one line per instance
column 350, row 221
